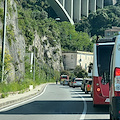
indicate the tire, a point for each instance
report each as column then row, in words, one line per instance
column 86, row 92
column 110, row 116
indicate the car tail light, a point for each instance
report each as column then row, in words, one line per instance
column 88, row 86
column 116, row 93
column 74, row 82
column 117, row 81
column 117, row 72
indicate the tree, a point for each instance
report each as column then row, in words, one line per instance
column 79, row 72
column 97, row 22
column 64, row 72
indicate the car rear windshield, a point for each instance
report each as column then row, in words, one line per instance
column 90, row 82
column 64, row 77
column 78, row 80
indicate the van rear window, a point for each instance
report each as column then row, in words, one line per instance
column 104, row 53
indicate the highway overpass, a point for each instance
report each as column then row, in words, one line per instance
column 72, row 10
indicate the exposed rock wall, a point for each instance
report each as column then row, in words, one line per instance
column 45, row 52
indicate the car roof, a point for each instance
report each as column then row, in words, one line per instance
column 78, row 78
column 87, row 78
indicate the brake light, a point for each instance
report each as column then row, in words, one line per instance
column 97, row 44
column 117, row 81
column 74, row 82
column 117, row 72
column 88, row 86
column 116, row 93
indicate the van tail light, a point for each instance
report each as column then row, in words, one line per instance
column 98, row 89
column 117, row 82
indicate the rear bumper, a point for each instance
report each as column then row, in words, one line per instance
column 115, row 105
column 88, row 89
column 100, row 100
column 77, row 85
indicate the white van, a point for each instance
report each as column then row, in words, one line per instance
column 114, row 90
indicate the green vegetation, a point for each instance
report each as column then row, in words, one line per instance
column 9, row 8
column 65, row 72
column 79, row 72
column 1, row 14
column 98, row 22
column 71, row 40
column 32, row 16
column 10, row 34
column 7, row 63
column 43, row 74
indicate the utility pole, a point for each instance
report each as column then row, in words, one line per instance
column 4, row 37
column 34, row 63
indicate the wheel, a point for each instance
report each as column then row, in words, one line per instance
column 110, row 116
column 86, row 90
column 73, row 86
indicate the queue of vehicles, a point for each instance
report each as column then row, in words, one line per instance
column 85, row 84
column 105, row 83
column 106, row 75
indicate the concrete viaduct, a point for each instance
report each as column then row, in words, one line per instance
column 72, row 10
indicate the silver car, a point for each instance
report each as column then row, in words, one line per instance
column 77, row 82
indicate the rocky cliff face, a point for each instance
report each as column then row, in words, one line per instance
column 16, row 47
column 52, row 55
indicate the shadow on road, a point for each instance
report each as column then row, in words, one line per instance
column 56, row 107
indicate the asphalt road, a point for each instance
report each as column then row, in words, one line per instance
column 57, row 103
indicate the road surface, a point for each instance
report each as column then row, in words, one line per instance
column 57, row 103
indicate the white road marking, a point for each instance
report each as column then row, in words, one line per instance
column 82, row 117
column 17, row 104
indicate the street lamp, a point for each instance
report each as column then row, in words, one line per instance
column 4, row 37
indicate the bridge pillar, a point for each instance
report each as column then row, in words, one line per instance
column 77, row 10
column 85, row 7
column 100, row 3
column 62, row 2
column 69, row 7
column 92, row 5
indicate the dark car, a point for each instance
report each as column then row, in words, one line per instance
column 71, row 82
